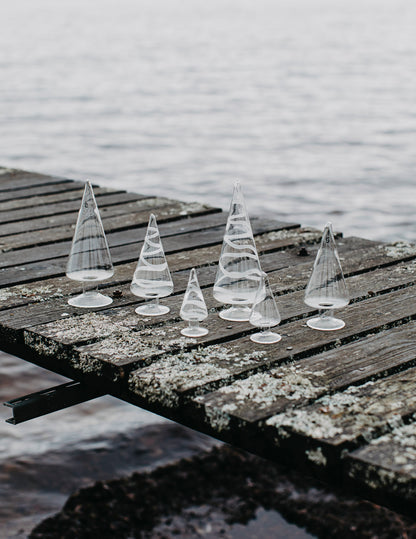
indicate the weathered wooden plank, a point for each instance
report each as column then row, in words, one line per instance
column 13, row 179
column 118, row 213
column 125, row 253
column 169, row 224
column 70, row 206
column 346, row 419
column 165, row 209
column 260, row 396
column 52, row 198
column 386, row 467
column 173, row 380
column 41, row 190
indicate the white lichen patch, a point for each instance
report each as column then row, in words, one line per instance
column 388, row 462
column 32, row 292
column 410, row 267
column 181, row 208
column 305, row 235
column 219, row 419
column 312, row 424
column 132, row 346
column 165, row 379
column 400, row 446
column 356, row 412
column 86, row 364
column 399, row 249
column 316, row 456
column 85, row 327
column 4, row 170
column 40, row 346
column 260, row 391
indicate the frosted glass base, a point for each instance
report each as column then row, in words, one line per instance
column 194, row 331
column 90, row 300
column 236, row 314
column 326, row 323
column 265, row 337
column 152, row 309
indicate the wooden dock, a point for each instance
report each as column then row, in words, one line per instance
column 340, row 405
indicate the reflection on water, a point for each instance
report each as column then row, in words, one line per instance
column 44, row 460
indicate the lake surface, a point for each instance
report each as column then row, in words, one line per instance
column 312, row 105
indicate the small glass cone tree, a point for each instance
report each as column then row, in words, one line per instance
column 89, row 259
column 326, row 288
column 238, row 273
column 265, row 314
column 151, row 279
column 193, row 309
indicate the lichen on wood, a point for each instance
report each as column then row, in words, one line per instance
column 164, row 380
column 133, row 346
column 359, row 412
column 399, row 249
column 34, row 292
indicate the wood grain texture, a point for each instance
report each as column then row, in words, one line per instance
column 14, row 179
column 41, row 191
column 52, row 198
column 386, row 468
column 165, row 210
column 71, row 206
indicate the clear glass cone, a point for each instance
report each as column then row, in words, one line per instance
column 326, row 288
column 265, row 314
column 151, row 279
column 89, row 259
column 193, row 309
column 238, row 272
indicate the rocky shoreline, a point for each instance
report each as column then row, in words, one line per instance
column 218, row 494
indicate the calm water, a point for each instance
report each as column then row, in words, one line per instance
column 312, row 105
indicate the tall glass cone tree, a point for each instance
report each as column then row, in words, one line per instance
column 193, row 309
column 326, row 288
column 151, row 279
column 239, row 272
column 89, row 259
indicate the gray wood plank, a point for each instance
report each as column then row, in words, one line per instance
column 52, row 198
column 386, row 467
column 125, row 211
column 14, row 179
column 295, row 385
column 71, row 206
column 41, row 190
column 165, row 209
column 168, row 217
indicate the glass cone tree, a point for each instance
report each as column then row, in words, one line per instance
column 151, row 279
column 238, row 273
column 89, row 259
column 193, row 309
column 326, row 289
column 265, row 314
